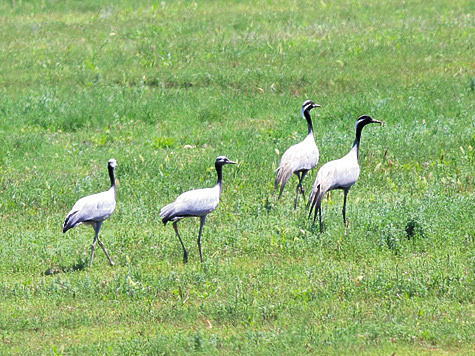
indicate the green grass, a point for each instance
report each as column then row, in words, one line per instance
column 165, row 87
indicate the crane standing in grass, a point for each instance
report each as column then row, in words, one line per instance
column 299, row 158
column 339, row 174
column 93, row 210
column 195, row 203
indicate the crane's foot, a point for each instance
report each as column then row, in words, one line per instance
column 105, row 251
column 347, row 226
column 93, row 248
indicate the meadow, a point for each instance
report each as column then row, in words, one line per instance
column 166, row 87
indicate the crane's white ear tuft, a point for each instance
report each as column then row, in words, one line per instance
column 224, row 160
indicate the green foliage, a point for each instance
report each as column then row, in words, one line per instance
column 165, row 87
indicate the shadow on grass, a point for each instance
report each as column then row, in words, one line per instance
column 79, row 266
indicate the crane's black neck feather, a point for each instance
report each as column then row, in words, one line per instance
column 219, row 170
column 359, row 128
column 307, row 116
column 111, row 175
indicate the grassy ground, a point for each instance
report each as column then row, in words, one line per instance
column 165, row 87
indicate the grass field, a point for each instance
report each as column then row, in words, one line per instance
column 165, row 87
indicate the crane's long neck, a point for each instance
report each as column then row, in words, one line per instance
column 112, row 178
column 306, row 115
column 219, row 170
column 356, row 144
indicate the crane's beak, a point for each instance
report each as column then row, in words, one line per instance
column 230, row 162
column 317, row 106
column 378, row 122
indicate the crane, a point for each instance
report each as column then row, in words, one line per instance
column 299, row 158
column 195, row 203
column 338, row 174
column 93, row 210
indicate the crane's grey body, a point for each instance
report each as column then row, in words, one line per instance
column 338, row 174
column 93, row 210
column 299, row 158
column 195, row 203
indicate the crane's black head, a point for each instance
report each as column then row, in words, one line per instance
column 112, row 163
column 222, row 160
column 364, row 120
column 308, row 105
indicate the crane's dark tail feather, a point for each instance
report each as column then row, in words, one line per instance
column 167, row 213
column 283, row 175
column 318, row 202
column 70, row 221
column 315, row 201
column 311, row 200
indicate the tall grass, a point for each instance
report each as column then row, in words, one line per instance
column 165, row 87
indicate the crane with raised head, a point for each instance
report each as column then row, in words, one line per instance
column 93, row 210
column 195, row 203
column 338, row 174
column 300, row 158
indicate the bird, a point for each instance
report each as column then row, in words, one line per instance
column 93, row 210
column 338, row 174
column 300, row 158
column 195, row 203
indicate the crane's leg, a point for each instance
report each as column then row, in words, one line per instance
column 97, row 227
column 202, row 222
column 93, row 248
column 185, row 252
column 105, row 251
column 299, row 187
column 344, row 206
column 302, row 190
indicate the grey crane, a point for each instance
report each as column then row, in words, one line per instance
column 338, row 174
column 195, row 203
column 93, row 210
column 299, row 158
